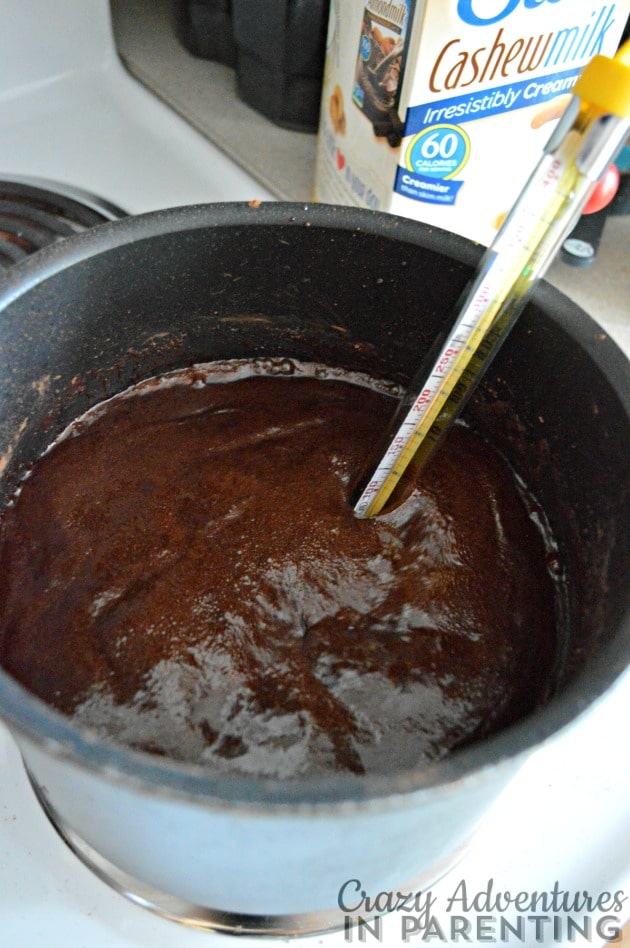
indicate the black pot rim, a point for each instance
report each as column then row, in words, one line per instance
column 42, row 725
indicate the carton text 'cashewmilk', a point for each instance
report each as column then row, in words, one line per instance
column 439, row 110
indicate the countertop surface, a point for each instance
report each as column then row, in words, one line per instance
column 603, row 289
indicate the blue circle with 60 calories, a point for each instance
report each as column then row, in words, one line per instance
column 440, row 151
column 366, row 47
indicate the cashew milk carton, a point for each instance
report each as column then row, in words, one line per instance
column 438, row 110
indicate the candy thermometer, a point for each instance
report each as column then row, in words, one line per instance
column 586, row 140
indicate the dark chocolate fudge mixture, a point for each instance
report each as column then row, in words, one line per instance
column 183, row 573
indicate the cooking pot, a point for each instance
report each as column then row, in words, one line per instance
column 363, row 291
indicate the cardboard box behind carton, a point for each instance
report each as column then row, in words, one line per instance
column 439, row 110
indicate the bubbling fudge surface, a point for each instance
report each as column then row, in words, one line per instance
column 182, row 572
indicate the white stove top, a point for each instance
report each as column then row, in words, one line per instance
column 69, row 112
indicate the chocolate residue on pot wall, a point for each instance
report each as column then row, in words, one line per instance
column 183, row 573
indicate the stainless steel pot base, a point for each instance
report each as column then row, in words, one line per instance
column 229, row 923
